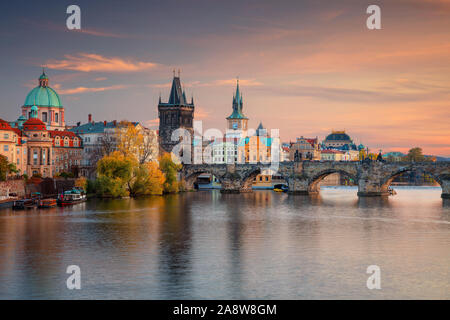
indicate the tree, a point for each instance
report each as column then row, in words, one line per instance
column 114, row 174
column 3, row 167
column 6, row 168
column 170, row 169
column 148, row 180
column 135, row 141
column 81, row 183
column 107, row 145
column 415, row 155
column 129, row 139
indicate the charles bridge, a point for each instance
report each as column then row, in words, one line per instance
column 373, row 178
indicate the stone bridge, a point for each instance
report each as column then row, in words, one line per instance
column 373, row 178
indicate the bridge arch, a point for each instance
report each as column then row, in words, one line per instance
column 387, row 180
column 192, row 176
column 313, row 185
column 248, row 178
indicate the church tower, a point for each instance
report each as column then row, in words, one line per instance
column 176, row 113
column 237, row 120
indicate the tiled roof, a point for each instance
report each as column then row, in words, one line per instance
column 54, row 133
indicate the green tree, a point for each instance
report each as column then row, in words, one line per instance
column 415, row 155
column 170, row 169
column 114, row 174
column 3, row 168
column 6, row 168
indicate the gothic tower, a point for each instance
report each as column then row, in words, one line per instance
column 237, row 120
column 176, row 113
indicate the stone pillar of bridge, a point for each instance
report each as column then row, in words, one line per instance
column 232, row 182
column 445, row 185
column 371, row 180
column 298, row 185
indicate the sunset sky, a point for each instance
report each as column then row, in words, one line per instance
column 305, row 67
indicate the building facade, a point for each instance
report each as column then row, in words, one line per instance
column 67, row 152
column 304, row 149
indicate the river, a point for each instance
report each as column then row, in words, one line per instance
column 208, row 245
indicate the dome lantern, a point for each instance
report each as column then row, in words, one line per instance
column 43, row 80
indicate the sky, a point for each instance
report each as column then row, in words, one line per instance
column 305, row 67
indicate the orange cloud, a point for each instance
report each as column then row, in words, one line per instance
column 84, row 89
column 152, row 123
column 88, row 62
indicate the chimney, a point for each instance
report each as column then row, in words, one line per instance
column 90, row 118
column 78, row 124
column 115, row 123
column 104, row 123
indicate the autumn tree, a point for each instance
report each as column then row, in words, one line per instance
column 6, row 168
column 148, row 180
column 81, row 183
column 415, row 155
column 135, row 141
column 170, row 169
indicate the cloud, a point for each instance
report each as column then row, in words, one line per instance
column 98, row 33
column 85, row 89
column 89, row 62
column 152, row 123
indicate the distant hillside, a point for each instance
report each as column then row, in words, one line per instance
column 442, row 159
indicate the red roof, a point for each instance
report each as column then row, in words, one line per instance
column 312, row 141
column 34, row 124
column 4, row 125
column 54, row 133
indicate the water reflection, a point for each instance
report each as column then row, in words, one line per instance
column 211, row 245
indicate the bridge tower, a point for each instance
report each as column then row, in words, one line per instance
column 174, row 114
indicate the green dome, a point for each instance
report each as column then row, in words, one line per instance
column 43, row 97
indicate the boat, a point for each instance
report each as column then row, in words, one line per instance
column 71, row 197
column 47, row 203
column 22, row 204
column 280, row 188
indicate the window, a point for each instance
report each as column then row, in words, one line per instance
column 44, row 117
column 5, row 147
column 35, row 158
column 56, row 117
column 6, row 136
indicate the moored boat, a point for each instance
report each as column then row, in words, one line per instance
column 47, row 203
column 71, row 197
column 280, row 188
